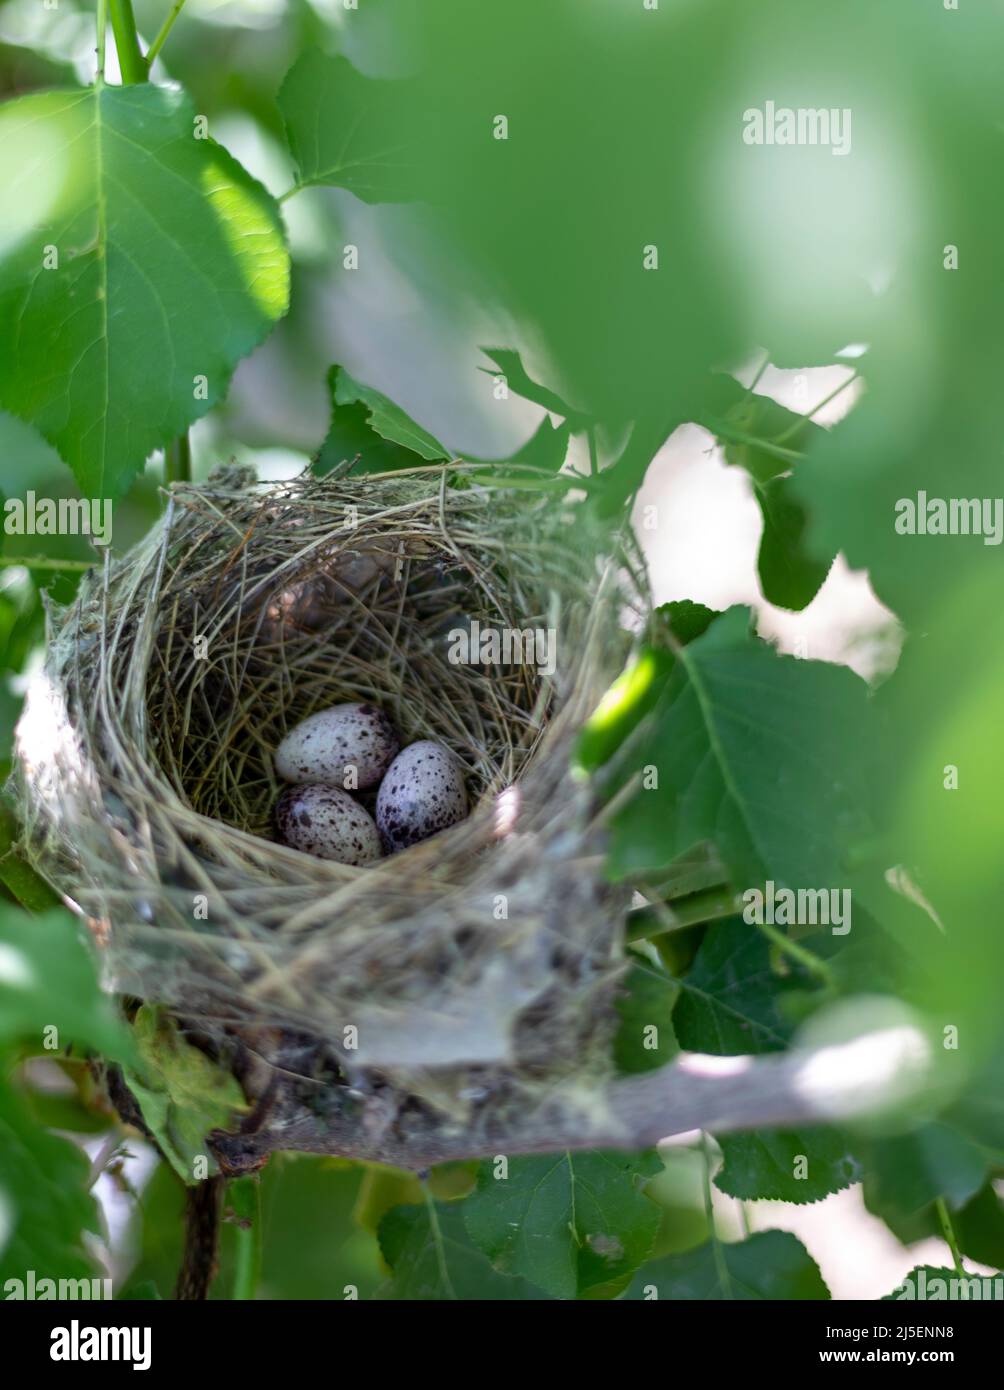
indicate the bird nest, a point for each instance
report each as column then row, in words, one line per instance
column 435, row 988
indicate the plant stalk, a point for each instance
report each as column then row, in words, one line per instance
column 102, row 26
column 948, row 1231
column 163, row 32
column 132, row 64
column 245, row 1200
column 178, row 460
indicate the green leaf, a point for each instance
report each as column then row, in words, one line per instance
column 383, row 1189
column 633, row 694
column 388, row 420
column 721, row 740
column 352, row 445
column 979, row 1228
column 905, row 1173
column 731, row 999
column 685, row 619
column 172, row 266
column 567, row 1222
column 432, row 1258
column 638, row 689
column 48, row 981
column 22, row 69
column 765, row 440
column 17, row 876
column 37, row 461
column 52, row 1110
column 789, row 574
column 144, row 1292
column 349, row 131
column 646, row 1003
column 756, row 433
column 44, row 1201
column 546, row 449
column 764, row 1165
column 768, row 1265
column 925, row 1282
column 181, row 1093
column 313, row 1249
column 370, row 432
column 24, row 885
column 613, row 488
column 517, row 379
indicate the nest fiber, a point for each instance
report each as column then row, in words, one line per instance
column 486, row 958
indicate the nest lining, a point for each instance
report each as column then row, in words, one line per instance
column 485, row 958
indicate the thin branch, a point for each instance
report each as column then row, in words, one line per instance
column 722, row 430
column 163, row 32
column 102, row 27
column 807, row 959
column 202, row 1237
column 659, row 918
column 794, row 428
column 948, row 1231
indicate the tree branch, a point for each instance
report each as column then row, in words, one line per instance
column 202, row 1236
column 718, row 1094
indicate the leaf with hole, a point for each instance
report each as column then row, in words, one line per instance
column 567, row 1222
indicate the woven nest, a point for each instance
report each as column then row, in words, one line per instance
column 475, row 971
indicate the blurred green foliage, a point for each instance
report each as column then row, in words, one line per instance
column 580, row 195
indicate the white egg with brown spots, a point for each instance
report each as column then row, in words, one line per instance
column 421, row 794
column 345, row 746
column 326, row 822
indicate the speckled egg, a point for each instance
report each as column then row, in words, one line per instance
column 421, row 794
column 325, row 746
column 326, row 821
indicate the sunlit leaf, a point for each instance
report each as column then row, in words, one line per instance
column 138, row 264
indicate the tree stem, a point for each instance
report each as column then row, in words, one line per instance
column 202, row 1234
column 132, row 64
column 721, row 1095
